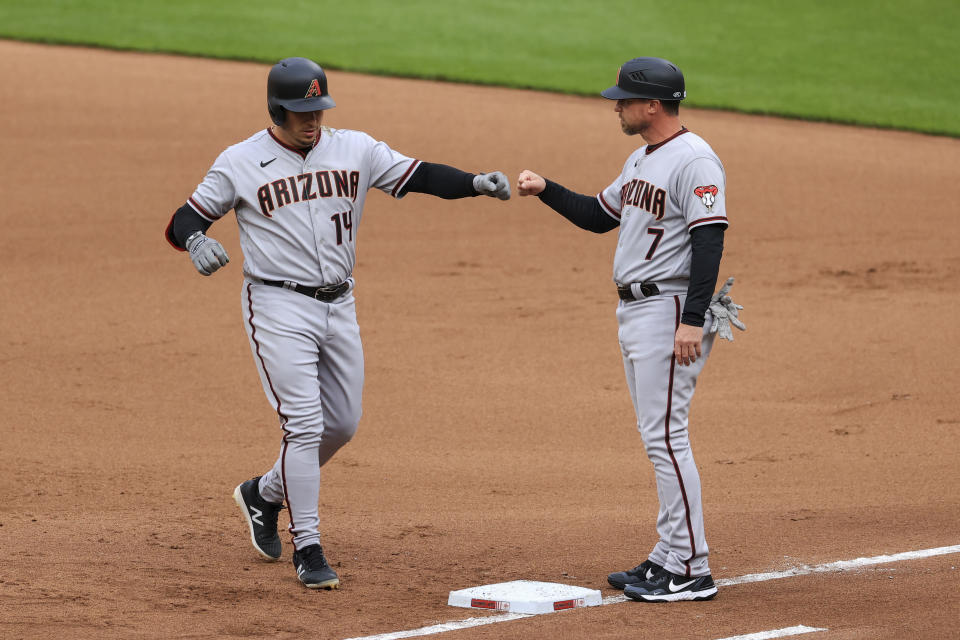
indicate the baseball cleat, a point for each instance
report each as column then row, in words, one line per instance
column 313, row 570
column 670, row 587
column 640, row 573
column 261, row 518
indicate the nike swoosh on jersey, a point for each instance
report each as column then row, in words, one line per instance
column 679, row 587
column 263, row 164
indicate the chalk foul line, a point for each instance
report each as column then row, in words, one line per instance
column 840, row 565
column 776, row 633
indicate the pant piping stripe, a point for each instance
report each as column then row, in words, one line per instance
column 283, row 418
column 676, row 467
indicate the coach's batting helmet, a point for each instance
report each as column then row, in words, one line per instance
column 296, row 84
column 651, row 78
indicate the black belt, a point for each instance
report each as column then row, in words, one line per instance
column 647, row 289
column 325, row 293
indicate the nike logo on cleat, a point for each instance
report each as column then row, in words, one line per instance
column 263, row 164
column 679, row 587
column 650, row 573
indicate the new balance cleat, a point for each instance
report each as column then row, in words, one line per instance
column 313, row 570
column 261, row 518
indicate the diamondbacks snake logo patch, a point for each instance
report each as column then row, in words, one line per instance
column 707, row 195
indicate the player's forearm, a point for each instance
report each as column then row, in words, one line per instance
column 442, row 181
column 581, row 210
column 707, row 246
column 182, row 225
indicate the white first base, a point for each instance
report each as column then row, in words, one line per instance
column 525, row 596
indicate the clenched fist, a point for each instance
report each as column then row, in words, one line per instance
column 530, row 184
column 207, row 254
column 493, row 184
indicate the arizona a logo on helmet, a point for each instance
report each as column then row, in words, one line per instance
column 314, row 90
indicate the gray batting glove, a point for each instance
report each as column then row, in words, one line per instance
column 207, row 254
column 493, row 184
column 725, row 312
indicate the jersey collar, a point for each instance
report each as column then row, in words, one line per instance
column 653, row 147
column 299, row 152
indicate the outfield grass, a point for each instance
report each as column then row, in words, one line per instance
column 880, row 63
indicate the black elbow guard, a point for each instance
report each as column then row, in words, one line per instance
column 182, row 225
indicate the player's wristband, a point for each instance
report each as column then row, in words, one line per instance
column 196, row 235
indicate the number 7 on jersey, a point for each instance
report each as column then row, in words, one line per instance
column 657, row 236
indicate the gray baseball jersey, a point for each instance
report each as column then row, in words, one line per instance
column 664, row 192
column 298, row 213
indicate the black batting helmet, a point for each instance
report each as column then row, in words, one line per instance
column 651, row 78
column 296, row 84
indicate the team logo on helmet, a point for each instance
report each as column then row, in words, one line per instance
column 314, row 90
column 707, row 194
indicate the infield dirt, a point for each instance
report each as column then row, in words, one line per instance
column 498, row 439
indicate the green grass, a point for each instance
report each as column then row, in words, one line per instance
column 882, row 63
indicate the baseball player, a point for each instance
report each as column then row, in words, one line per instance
column 298, row 190
column 669, row 203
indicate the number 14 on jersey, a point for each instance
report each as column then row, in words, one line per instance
column 344, row 222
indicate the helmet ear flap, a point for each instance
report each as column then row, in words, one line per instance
column 277, row 113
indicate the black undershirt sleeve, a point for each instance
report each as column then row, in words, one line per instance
column 704, row 266
column 183, row 223
column 440, row 180
column 581, row 210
